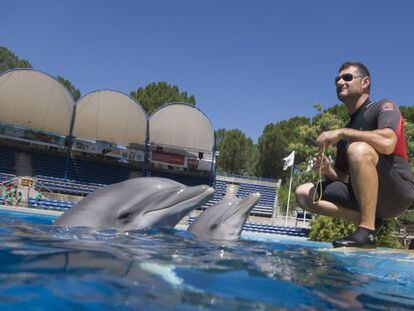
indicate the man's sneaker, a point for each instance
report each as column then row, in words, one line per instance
column 362, row 238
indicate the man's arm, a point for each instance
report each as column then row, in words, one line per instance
column 336, row 174
column 331, row 172
column 382, row 140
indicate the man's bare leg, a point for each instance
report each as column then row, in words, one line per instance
column 304, row 197
column 363, row 160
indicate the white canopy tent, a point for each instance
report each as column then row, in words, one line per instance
column 181, row 126
column 110, row 116
column 35, row 100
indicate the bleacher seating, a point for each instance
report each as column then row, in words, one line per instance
column 65, row 186
column 263, row 208
column 267, row 198
column 291, row 231
column 246, row 178
column 7, row 160
column 220, row 188
column 93, row 172
column 184, row 179
column 48, row 204
column 85, row 176
column 83, row 171
column 78, row 169
column 219, row 185
column 4, row 178
column 46, row 164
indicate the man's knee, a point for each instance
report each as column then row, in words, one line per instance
column 360, row 152
column 303, row 196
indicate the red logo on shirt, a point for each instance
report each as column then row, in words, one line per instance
column 387, row 107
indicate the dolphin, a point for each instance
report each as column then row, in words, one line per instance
column 136, row 204
column 224, row 221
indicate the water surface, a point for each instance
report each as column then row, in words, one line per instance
column 42, row 267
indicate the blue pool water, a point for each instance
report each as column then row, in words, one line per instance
column 42, row 267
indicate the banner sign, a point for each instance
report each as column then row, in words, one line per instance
column 125, row 154
column 170, row 158
column 26, row 182
column 31, row 134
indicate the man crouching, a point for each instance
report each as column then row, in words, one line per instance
column 371, row 179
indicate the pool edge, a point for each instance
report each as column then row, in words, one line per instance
column 29, row 210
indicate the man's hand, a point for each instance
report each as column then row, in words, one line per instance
column 329, row 138
column 321, row 161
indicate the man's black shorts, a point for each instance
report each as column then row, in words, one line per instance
column 395, row 194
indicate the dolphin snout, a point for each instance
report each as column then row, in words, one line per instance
column 193, row 196
column 201, row 190
column 209, row 190
column 250, row 201
column 246, row 204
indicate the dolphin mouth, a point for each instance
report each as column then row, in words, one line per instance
column 241, row 209
column 204, row 192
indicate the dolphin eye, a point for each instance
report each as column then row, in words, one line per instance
column 213, row 227
column 125, row 216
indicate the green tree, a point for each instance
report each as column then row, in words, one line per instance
column 274, row 145
column 306, row 136
column 219, row 135
column 409, row 136
column 235, row 152
column 155, row 95
column 251, row 169
column 407, row 112
column 9, row 60
column 282, row 197
column 303, row 143
column 340, row 111
column 70, row 87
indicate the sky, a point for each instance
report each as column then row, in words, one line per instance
column 248, row 63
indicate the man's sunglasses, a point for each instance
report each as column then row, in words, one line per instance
column 348, row 77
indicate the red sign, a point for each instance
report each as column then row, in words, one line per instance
column 168, row 158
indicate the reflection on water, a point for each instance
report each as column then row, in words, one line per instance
column 58, row 268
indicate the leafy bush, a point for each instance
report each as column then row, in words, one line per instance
column 328, row 229
column 283, row 194
column 407, row 217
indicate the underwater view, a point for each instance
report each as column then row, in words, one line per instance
column 45, row 267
